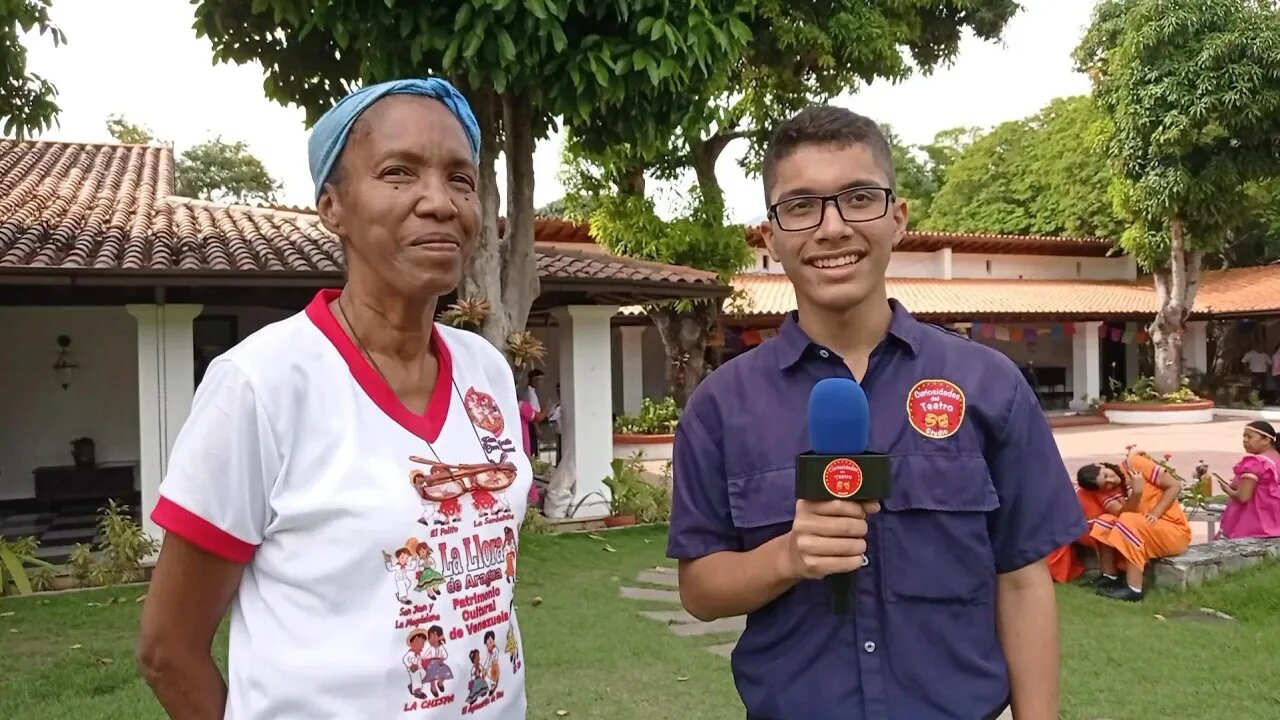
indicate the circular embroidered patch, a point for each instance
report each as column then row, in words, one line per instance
column 842, row 477
column 935, row 408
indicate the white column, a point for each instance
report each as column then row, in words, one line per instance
column 586, row 397
column 1131, row 348
column 1195, row 346
column 944, row 263
column 1086, row 365
column 166, row 385
column 632, row 367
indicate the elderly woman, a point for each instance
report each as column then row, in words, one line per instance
column 314, row 447
column 1142, row 520
column 1253, row 506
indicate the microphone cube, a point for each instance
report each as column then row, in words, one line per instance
column 842, row 477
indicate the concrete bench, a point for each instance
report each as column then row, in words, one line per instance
column 1207, row 561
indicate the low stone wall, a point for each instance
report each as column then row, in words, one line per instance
column 1207, row 561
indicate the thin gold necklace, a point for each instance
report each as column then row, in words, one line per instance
column 377, row 368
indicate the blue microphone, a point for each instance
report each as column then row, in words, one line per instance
column 837, row 465
column 839, row 417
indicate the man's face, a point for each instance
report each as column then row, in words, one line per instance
column 838, row 264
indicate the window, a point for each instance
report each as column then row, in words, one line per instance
column 764, row 262
column 211, row 336
column 988, row 267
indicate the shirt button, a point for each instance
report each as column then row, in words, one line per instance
column 869, row 647
column 824, row 353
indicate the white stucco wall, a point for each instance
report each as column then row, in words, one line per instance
column 39, row 419
column 968, row 265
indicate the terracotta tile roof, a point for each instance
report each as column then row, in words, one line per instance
column 107, row 207
column 988, row 243
column 772, row 294
column 564, row 231
column 1240, row 291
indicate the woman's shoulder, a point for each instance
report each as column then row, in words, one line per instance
column 472, row 351
column 285, row 349
column 1259, row 465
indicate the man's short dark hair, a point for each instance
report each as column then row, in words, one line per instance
column 825, row 125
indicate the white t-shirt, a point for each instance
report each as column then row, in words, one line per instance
column 531, row 397
column 1257, row 362
column 370, row 577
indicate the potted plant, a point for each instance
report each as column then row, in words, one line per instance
column 651, row 431
column 634, row 500
column 1143, row 404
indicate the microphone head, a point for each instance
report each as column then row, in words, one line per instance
column 839, row 418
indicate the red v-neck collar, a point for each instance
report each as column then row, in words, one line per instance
column 426, row 426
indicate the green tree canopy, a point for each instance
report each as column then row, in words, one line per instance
column 796, row 54
column 213, row 170
column 27, row 102
column 1035, row 176
column 916, row 179
column 126, row 132
column 1190, row 97
column 224, row 172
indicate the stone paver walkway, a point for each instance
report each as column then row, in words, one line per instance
column 678, row 621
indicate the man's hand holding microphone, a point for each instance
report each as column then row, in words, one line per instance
column 828, row 537
column 838, row 488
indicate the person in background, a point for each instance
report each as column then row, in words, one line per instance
column 1260, row 365
column 1253, row 509
column 531, row 396
column 1142, row 520
column 1064, row 563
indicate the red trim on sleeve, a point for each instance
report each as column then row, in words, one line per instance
column 200, row 532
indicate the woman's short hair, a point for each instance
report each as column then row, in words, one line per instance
column 1087, row 475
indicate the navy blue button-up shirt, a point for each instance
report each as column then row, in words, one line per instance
column 979, row 488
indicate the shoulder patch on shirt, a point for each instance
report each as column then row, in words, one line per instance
column 935, row 408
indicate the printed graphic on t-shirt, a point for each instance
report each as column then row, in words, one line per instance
column 456, row 582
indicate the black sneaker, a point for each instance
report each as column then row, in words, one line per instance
column 1102, row 581
column 1121, row 592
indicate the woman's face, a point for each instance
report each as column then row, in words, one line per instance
column 1254, row 442
column 1107, row 478
column 404, row 197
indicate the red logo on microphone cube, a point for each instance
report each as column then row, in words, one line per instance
column 842, row 477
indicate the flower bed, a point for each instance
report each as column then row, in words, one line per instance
column 1143, row 404
column 650, row 432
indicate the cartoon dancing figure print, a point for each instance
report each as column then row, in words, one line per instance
column 427, row 655
column 478, row 687
column 491, row 661
column 513, row 647
column 402, row 567
column 511, row 550
column 429, row 578
column 434, row 512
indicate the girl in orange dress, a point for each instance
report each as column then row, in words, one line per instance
column 1064, row 564
column 1142, row 520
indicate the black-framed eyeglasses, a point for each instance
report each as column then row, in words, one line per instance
column 855, row 205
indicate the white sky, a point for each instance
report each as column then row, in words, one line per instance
column 141, row 59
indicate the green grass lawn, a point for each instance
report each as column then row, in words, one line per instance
column 590, row 654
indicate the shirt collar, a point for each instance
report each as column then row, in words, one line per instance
column 792, row 342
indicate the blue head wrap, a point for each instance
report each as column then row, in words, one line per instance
column 329, row 135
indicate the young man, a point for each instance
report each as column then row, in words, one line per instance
column 954, row 613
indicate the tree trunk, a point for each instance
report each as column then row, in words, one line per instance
column 1176, row 286
column 520, row 282
column 685, row 334
column 705, row 155
column 503, row 270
